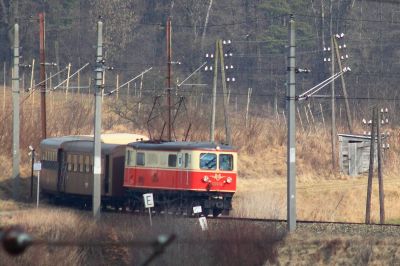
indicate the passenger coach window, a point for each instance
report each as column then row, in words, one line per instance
column 87, row 164
column 75, row 162
column 172, row 160
column 140, row 158
column 69, row 162
column 44, row 157
column 226, row 162
column 91, row 164
column 81, row 165
column 208, row 161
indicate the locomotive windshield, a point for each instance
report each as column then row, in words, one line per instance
column 208, row 161
column 226, row 162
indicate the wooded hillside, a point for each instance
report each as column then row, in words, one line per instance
column 135, row 40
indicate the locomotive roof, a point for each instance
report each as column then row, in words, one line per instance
column 180, row 145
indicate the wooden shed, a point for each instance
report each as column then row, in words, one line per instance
column 354, row 154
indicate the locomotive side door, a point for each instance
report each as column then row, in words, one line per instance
column 130, row 171
column 179, row 165
column 184, row 170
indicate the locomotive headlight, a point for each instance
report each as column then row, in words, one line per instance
column 206, row 179
column 229, row 180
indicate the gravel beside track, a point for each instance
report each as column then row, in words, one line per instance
column 333, row 228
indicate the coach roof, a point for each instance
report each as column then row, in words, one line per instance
column 111, row 138
column 56, row 142
column 86, row 146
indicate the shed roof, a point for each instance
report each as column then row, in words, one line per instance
column 350, row 136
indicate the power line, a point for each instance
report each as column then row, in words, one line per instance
column 279, row 96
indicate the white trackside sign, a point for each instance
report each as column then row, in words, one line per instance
column 148, row 200
column 203, row 223
column 197, row 209
column 37, row 166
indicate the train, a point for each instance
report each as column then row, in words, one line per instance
column 180, row 174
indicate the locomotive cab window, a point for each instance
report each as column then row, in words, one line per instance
column 172, row 160
column 140, row 158
column 226, row 162
column 208, row 161
column 130, row 158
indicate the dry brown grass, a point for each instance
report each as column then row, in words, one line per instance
column 310, row 249
column 224, row 244
column 52, row 225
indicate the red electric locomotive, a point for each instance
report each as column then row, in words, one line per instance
column 182, row 174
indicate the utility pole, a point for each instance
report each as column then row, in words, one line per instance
column 32, row 74
column 291, row 143
column 16, row 122
column 4, row 87
column 117, row 86
column 376, row 134
column 56, row 48
column 224, row 91
column 371, row 166
column 380, row 170
column 97, row 122
column 346, row 100
column 333, row 119
column 214, row 93
column 42, row 75
column 249, row 92
column 219, row 55
column 169, row 76
column 67, row 83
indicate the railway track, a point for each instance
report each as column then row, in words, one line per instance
column 319, row 227
column 303, row 226
column 222, row 217
column 323, row 227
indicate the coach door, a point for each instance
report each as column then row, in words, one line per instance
column 106, row 173
column 62, row 170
